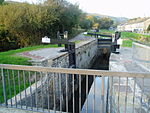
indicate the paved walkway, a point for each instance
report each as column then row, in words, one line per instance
column 124, row 62
column 12, row 110
column 50, row 53
column 42, row 54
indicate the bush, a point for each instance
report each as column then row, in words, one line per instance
column 26, row 24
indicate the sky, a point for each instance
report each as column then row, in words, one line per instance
column 117, row 8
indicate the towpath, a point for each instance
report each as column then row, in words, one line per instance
column 50, row 53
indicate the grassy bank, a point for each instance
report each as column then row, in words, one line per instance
column 127, row 43
column 103, row 31
column 10, row 57
column 134, row 35
column 15, row 81
column 127, row 36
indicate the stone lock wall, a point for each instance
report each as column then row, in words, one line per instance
column 85, row 54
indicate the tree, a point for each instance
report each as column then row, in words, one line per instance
column 28, row 23
column 96, row 26
column 70, row 17
column 1, row 1
column 105, row 23
column 92, row 20
column 85, row 24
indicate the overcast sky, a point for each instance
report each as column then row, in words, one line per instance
column 118, row 8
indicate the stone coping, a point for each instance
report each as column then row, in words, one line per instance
column 23, row 110
column 78, row 46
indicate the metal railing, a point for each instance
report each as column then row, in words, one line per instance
column 47, row 89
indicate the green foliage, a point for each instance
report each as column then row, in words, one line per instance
column 1, row 1
column 6, row 39
column 94, row 22
column 85, row 22
column 69, row 17
column 23, row 24
column 105, row 23
column 26, row 24
column 75, row 32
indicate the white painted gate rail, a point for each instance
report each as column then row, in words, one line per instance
column 47, row 89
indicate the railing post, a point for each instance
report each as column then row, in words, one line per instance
column 108, row 95
column 4, row 87
column 111, row 90
column 103, row 93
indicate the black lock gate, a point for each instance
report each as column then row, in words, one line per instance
column 69, row 47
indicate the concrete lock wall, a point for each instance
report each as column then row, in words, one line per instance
column 85, row 55
column 141, row 55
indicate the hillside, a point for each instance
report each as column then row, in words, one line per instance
column 116, row 19
column 138, row 20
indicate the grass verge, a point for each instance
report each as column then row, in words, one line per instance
column 10, row 57
column 134, row 35
column 127, row 36
column 14, row 78
column 127, row 43
column 15, row 81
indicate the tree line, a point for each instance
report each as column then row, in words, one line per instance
column 94, row 22
column 23, row 24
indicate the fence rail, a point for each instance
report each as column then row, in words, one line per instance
column 75, row 71
column 47, row 89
